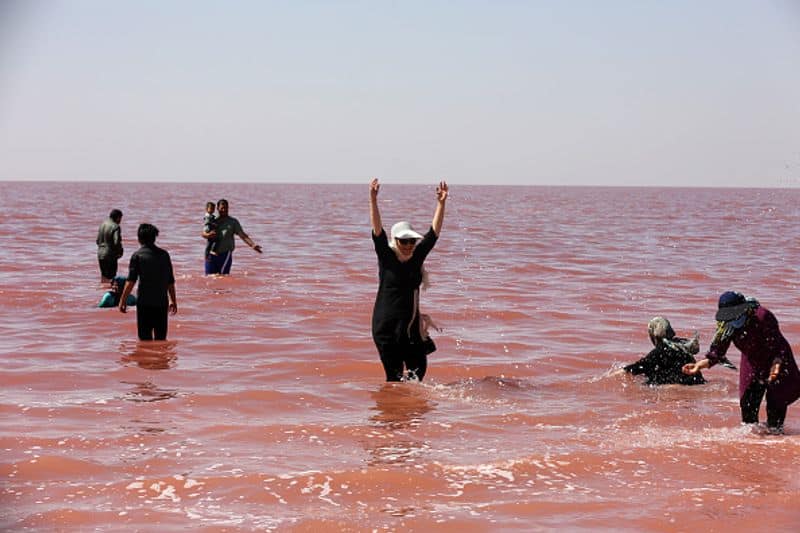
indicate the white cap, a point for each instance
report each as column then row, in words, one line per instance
column 403, row 230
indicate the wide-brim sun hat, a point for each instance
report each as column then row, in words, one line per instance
column 732, row 305
column 403, row 230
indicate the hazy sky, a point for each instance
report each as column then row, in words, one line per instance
column 661, row 92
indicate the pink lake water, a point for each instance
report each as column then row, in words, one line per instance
column 266, row 410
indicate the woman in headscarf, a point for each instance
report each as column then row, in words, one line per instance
column 398, row 329
column 664, row 364
column 767, row 365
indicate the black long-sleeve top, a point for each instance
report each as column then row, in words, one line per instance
column 663, row 365
column 395, row 317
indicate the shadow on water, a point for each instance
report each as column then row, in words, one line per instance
column 400, row 409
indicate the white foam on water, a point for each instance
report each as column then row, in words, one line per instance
column 324, row 488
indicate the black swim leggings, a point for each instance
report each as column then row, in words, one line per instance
column 751, row 401
column 394, row 357
column 151, row 322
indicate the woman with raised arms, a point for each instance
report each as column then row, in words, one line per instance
column 399, row 331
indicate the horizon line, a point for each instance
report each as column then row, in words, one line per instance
column 389, row 181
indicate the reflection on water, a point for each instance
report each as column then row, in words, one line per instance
column 148, row 392
column 400, row 410
column 149, row 427
column 150, row 355
column 400, row 406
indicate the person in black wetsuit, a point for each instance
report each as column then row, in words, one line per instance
column 398, row 329
column 664, row 364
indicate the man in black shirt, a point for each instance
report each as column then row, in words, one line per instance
column 152, row 267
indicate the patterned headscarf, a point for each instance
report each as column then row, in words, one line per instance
column 660, row 331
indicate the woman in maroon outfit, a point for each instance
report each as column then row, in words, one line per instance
column 767, row 364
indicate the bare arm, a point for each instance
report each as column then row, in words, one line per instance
column 246, row 238
column 694, row 368
column 438, row 215
column 374, row 212
column 123, row 299
column 173, row 300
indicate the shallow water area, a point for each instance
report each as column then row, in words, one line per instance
column 266, row 410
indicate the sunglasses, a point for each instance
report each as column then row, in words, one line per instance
column 406, row 241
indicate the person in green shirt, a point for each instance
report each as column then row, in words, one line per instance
column 226, row 228
column 109, row 245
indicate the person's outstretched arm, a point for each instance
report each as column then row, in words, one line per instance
column 246, row 238
column 645, row 365
column 438, row 215
column 374, row 212
column 238, row 230
column 693, row 368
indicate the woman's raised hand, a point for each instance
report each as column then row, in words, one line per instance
column 374, row 212
column 374, row 187
column 441, row 191
column 438, row 215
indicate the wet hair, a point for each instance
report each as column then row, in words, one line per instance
column 209, row 204
column 115, row 215
column 221, row 201
column 147, row 233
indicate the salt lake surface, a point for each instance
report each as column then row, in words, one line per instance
column 266, row 410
